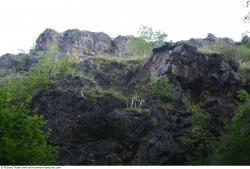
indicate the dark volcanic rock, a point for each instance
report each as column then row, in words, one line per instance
column 159, row 147
column 89, row 130
column 101, row 130
column 197, row 77
column 109, row 72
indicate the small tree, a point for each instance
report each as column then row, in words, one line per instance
column 159, row 88
column 150, row 35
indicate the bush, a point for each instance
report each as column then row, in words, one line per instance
column 139, row 46
column 96, row 91
column 159, row 88
column 144, row 43
column 148, row 34
column 202, row 143
column 22, row 89
column 21, row 140
column 241, row 52
column 233, row 147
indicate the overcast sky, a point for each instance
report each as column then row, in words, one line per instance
column 23, row 20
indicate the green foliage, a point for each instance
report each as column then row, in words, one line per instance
column 137, row 110
column 143, row 44
column 139, row 46
column 120, row 58
column 147, row 33
column 199, row 121
column 185, row 140
column 96, row 91
column 21, row 140
column 200, row 140
column 22, row 89
column 233, row 147
column 242, row 95
column 241, row 52
column 159, row 88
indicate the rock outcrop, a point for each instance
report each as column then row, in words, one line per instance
column 211, row 79
column 102, row 131
column 82, row 44
column 9, row 61
column 210, row 40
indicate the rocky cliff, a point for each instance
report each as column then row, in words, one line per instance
column 101, row 130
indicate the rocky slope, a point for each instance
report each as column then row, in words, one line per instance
column 101, row 130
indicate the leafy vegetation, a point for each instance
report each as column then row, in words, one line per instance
column 199, row 139
column 22, row 89
column 144, row 43
column 96, row 91
column 241, row 53
column 22, row 141
column 233, row 147
column 140, row 47
column 138, row 57
column 159, row 88
column 147, row 33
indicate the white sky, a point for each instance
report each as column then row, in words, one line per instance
column 23, row 20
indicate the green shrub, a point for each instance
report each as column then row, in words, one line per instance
column 202, row 143
column 139, row 46
column 21, row 140
column 241, row 52
column 148, row 34
column 233, row 146
column 96, row 91
column 22, row 89
column 144, row 43
column 199, row 121
column 159, row 88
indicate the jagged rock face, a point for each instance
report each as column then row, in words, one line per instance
column 209, row 79
column 109, row 73
column 12, row 65
column 89, row 130
column 101, row 131
column 120, row 46
column 46, row 39
column 193, row 70
column 210, row 40
column 82, row 44
column 9, row 61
